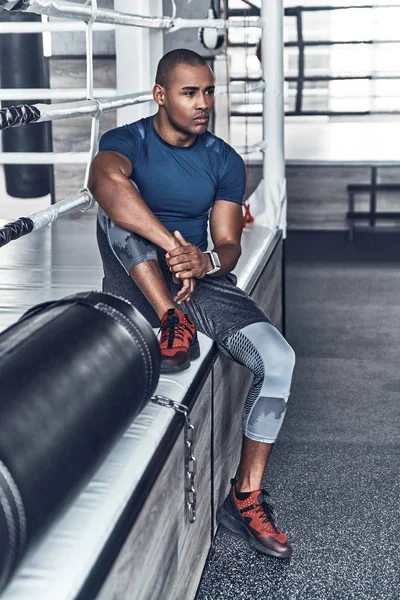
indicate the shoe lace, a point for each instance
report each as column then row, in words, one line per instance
column 268, row 510
column 172, row 329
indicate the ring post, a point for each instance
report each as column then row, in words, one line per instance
column 273, row 111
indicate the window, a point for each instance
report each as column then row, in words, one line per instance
column 344, row 61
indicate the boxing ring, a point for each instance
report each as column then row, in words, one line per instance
column 100, row 547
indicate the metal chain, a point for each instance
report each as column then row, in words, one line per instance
column 190, row 461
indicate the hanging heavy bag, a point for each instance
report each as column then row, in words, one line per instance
column 74, row 373
column 22, row 65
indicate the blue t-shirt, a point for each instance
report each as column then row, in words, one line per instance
column 179, row 184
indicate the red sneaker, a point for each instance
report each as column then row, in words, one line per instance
column 252, row 519
column 178, row 343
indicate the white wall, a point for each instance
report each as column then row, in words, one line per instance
column 138, row 51
column 73, row 43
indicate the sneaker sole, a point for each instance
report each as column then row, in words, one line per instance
column 234, row 526
column 194, row 352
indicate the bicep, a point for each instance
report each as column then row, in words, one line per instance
column 118, row 152
column 108, row 163
column 226, row 222
column 232, row 185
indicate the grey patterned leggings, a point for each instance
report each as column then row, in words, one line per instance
column 262, row 349
column 258, row 346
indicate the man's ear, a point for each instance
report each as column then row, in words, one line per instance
column 158, row 94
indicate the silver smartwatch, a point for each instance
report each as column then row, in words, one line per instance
column 216, row 263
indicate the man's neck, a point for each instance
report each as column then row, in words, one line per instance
column 169, row 134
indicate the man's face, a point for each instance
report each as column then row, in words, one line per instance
column 189, row 98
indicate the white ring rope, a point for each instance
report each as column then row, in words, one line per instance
column 81, row 158
column 95, row 127
column 71, row 10
column 89, row 48
column 173, row 16
column 82, row 201
column 53, row 26
column 69, row 110
column 44, row 158
column 53, row 93
column 91, row 15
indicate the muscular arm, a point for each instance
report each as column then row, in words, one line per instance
column 110, row 185
column 226, row 226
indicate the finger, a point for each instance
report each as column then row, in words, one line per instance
column 190, row 292
column 183, row 293
column 184, row 257
column 180, row 250
column 175, row 258
column 185, row 274
column 184, row 266
column 192, row 286
column 180, row 299
column 184, row 298
column 188, row 286
column 181, row 239
column 185, row 287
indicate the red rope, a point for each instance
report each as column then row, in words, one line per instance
column 247, row 217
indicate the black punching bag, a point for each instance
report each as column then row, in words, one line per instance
column 22, row 65
column 73, row 375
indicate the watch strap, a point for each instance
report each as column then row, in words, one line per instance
column 215, row 262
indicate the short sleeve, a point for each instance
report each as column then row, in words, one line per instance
column 232, row 184
column 122, row 140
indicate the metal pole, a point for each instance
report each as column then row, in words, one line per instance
column 273, row 110
column 372, row 206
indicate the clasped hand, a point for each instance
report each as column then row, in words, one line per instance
column 186, row 263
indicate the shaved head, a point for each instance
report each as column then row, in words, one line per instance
column 169, row 62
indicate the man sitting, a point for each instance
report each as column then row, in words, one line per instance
column 158, row 182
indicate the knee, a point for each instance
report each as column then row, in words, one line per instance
column 286, row 355
column 279, row 361
column 278, row 354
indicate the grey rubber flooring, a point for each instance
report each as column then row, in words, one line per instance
column 334, row 472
